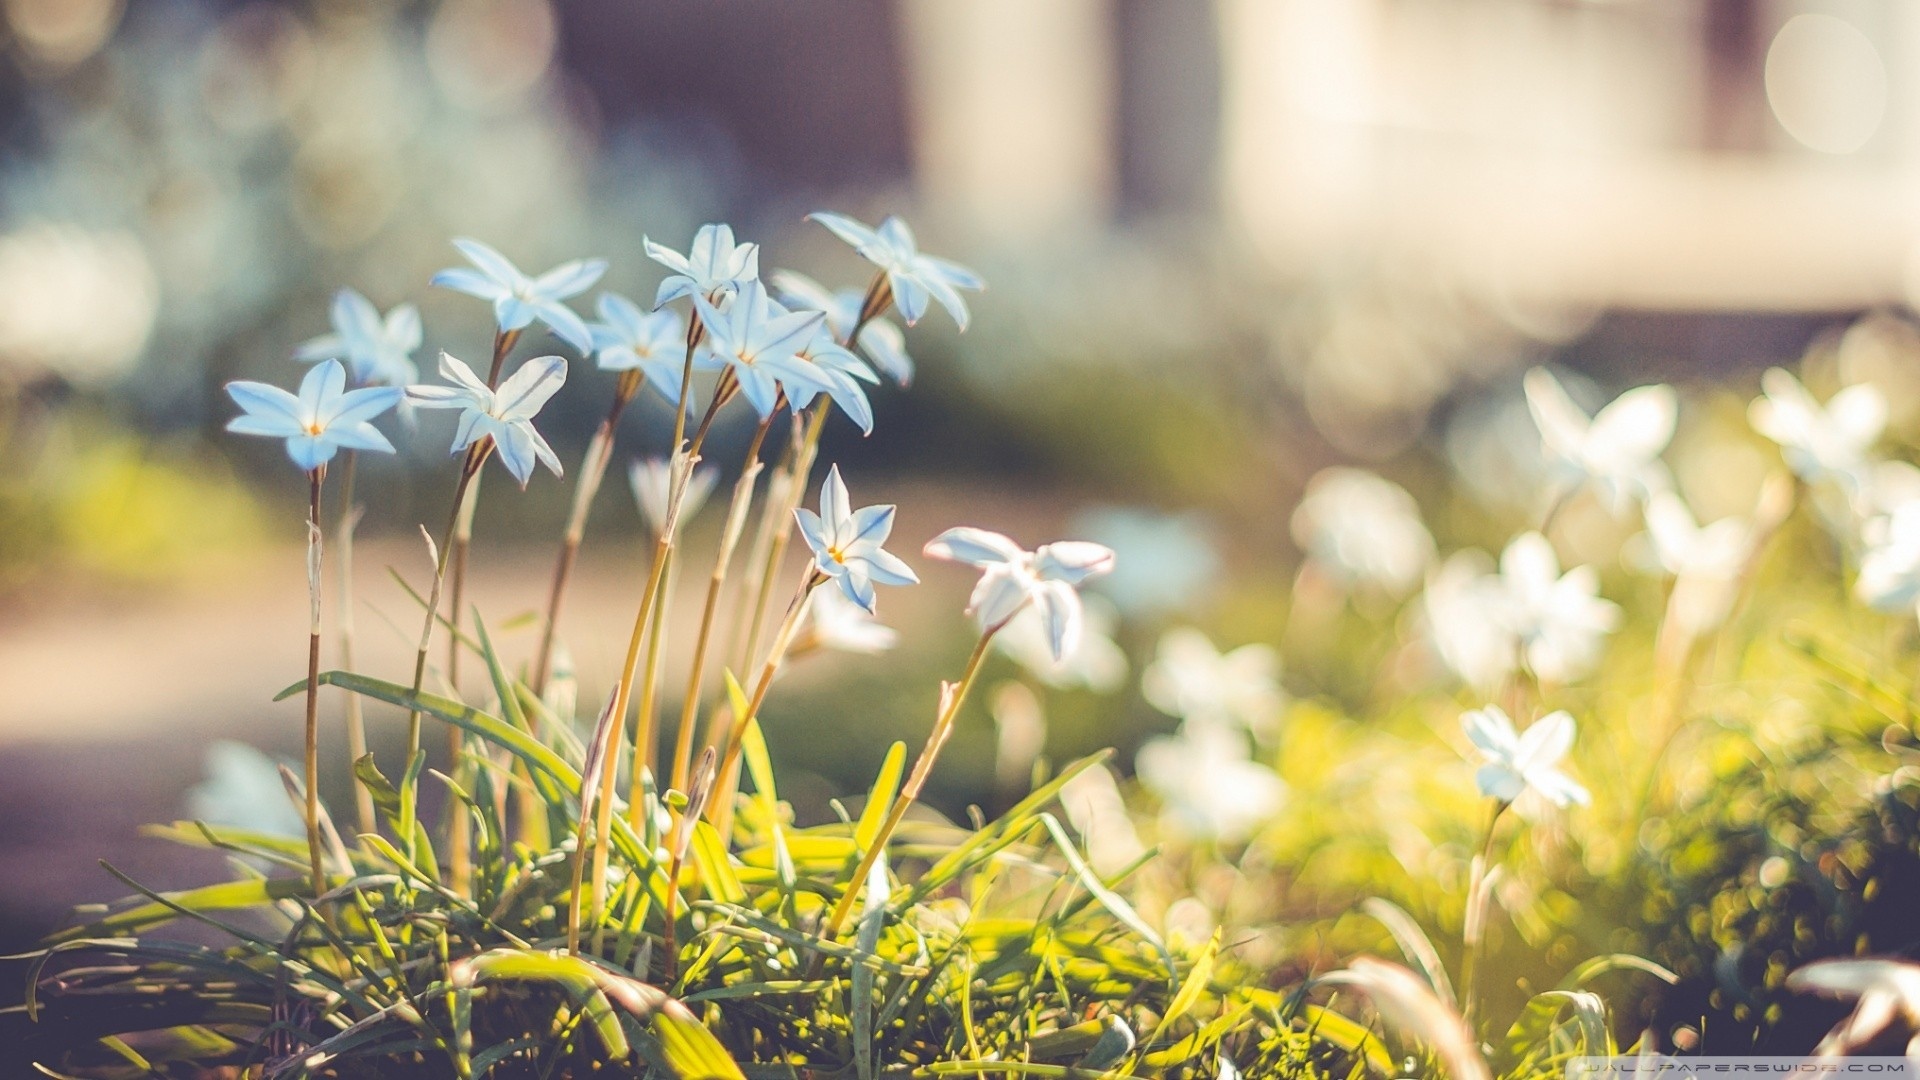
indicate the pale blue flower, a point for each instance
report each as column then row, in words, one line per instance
column 842, row 372
column 846, row 543
column 321, row 419
column 882, row 341
column 378, row 351
column 651, row 342
column 913, row 277
column 243, row 790
column 714, row 267
column 761, row 341
column 504, row 415
column 1014, row 577
column 518, row 299
column 1516, row 763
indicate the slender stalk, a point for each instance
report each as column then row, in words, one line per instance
column 723, row 560
column 469, row 468
column 596, row 793
column 646, row 716
column 593, row 470
column 953, row 695
column 343, row 561
column 1472, row 923
column 722, row 809
column 319, row 879
column 677, row 843
column 461, row 538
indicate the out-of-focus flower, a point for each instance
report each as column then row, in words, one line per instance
column 914, row 278
column 1191, row 679
column 760, row 342
column 1559, row 621
column 1704, row 561
column 880, row 339
column 76, row 302
column 1098, row 813
column 1208, row 785
column 1363, row 530
column 652, row 480
column 1166, row 562
column 1617, row 451
column 1888, row 992
column 504, row 415
column 839, row 624
column 1890, row 569
column 242, row 790
column 1097, row 663
column 651, row 342
column 846, row 543
column 324, row 417
column 1467, row 617
column 1020, row 734
column 1515, row 763
column 1820, row 442
column 379, row 351
column 518, row 299
column 713, row 268
column 1013, row 577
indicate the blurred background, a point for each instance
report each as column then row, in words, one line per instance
column 1227, row 244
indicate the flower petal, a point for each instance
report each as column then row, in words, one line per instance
column 974, row 547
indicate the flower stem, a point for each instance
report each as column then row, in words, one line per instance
column 319, row 880
column 343, row 561
column 953, row 695
column 776, row 654
column 646, row 714
column 730, row 537
column 469, row 468
column 1473, row 923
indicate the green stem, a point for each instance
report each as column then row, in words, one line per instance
column 593, row 470
column 1472, row 925
column 343, row 560
column 319, row 879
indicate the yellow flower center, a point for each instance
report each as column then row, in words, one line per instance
column 837, row 555
column 315, row 428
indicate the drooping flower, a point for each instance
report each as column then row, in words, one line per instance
column 378, row 351
column 653, row 343
column 1834, row 441
column 1888, row 992
column 913, row 277
column 1014, row 577
column 1363, row 530
column 760, row 342
column 1515, row 763
column 1097, row 664
column 880, row 339
column 841, row 625
column 713, row 268
column 652, row 481
column 518, row 299
column 1192, row 679
column 504, row 415
column 324, row 417
column 1209, row 786
column 1617, row 451
column 846, row 543
column 1560, row 622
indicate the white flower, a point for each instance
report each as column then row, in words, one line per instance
column 653, row 343
column 1705, row 561
column 846, row 543
column 1514, row 764
column 242, row 790
column 1559, row 621
column 1097, row 663
column 913, row 277
column 1208, row 785
column 652, row 481
column 518, row 299
column 1468, row 622
column 1888, row 992
column 379, row 350
column 837, row 623
column 1890, row 568
column 1098, row 813
column 1363, row 530
column 324, row 417
column 1618, row 449
column 1820, row 442
column 504, row 415
column 713, row 267
column 1191, row 679
column 760, row 342
column 881, row 340
column 1162, row 562
column 1014, row 577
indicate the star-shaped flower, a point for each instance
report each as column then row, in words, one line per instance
column 321, row 419
column 504, row 415
column 880, row 339
column 1363, row 530
column 1013, row 577
column 377, row 351
column 839, row 624
column 714, row 267
column 1208, row 784
column 1514, row 764
column 1192, row 679
column 846, row 543
column 1888, row 992
column 1098, row 663
column 651, row 342
column 518, row 299
column 1468, row 621
column 841, row 376
column 1617, row 451
column 1705, row 561
column 760, row 341
column 1890, row 569
column 1820, row 442
column 914, row 278
column 1560, row 621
